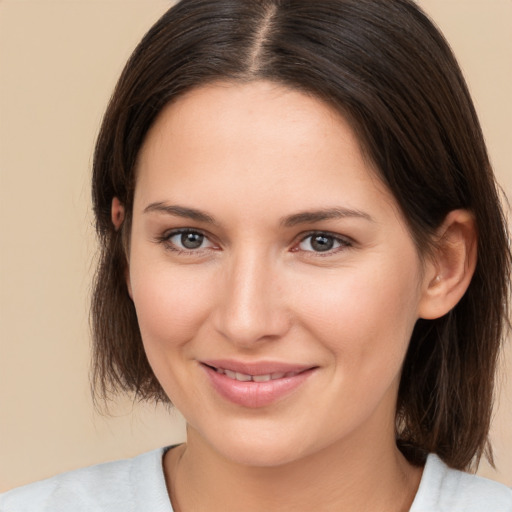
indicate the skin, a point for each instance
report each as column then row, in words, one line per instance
column 257, row 289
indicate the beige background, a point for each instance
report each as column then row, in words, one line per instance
column 58, row 63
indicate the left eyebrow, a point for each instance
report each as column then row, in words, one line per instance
column 319, row 215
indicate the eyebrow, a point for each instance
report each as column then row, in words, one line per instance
column 180, row 211
column 326, row 214
column 307, row 217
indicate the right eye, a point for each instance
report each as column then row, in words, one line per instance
column 187, row 240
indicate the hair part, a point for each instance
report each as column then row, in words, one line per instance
column 388, row 70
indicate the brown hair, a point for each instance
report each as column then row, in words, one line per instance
column 385, row 67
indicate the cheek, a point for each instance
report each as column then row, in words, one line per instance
column 172, row 305
column 364, row 315
column 170, row 302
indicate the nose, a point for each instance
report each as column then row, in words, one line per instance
column 251, row 304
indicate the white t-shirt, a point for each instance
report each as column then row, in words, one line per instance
column 138, row 485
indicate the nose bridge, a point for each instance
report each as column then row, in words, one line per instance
column 251, row 306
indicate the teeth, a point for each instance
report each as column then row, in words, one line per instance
column 244, row 377
column 261, row 378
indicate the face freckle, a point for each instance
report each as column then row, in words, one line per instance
column 262, row 241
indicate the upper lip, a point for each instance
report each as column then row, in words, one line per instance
column 257, row 367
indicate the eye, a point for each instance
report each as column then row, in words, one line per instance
column 322, row 242
column 187, row 240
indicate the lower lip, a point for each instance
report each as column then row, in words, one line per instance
column 255, row 394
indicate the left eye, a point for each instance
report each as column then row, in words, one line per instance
column 321, row 242
column 189, row 240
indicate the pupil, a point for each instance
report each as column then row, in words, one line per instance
column 322, row 243
column 192, row 240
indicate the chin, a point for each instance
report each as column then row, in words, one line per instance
column 257, row 447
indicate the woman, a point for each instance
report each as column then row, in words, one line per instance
column 303, row 251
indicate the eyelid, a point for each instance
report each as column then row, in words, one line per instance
column 344, row 241
column 165, row 239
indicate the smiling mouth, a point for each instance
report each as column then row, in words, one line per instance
column 255, row 385
column 244, row 377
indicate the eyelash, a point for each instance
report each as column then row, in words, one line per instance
column 343, row 242
column 165, row 239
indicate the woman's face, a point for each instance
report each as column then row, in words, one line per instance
column 275, row 282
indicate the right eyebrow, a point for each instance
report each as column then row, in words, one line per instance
column 180, row 211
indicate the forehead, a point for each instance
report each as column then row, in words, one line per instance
column 259, row 108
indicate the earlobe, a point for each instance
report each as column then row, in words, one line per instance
column 117, row 213
column 451, row 267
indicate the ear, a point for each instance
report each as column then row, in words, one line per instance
column 117, row 212
column 451, row 267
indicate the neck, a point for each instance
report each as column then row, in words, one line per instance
column 343, row 477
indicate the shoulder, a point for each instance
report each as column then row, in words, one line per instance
column 443, row 489
column 129, row 485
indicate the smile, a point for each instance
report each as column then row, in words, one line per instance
column 255, row 385
column 244, row 377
